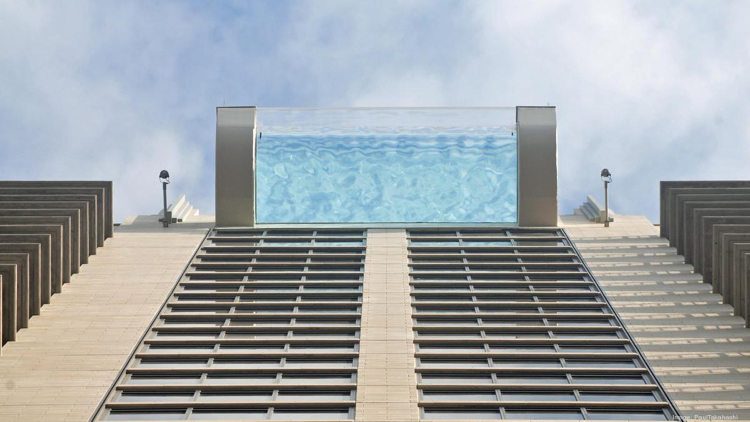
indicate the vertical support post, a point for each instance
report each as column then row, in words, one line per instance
column 606, row 204
column 537, row 166
column 167, row 217
column 235, row 166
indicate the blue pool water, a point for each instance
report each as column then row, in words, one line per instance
column 458, row 175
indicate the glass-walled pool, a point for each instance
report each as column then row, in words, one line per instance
column 386, row 165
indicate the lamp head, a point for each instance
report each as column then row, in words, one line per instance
column 606, row 175
column 164, row 176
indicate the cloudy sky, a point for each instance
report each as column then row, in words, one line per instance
column 118, row 90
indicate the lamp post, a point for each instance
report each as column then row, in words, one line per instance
column 607, row 178
column 164, row 179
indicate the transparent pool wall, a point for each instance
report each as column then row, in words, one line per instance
column 456, row 165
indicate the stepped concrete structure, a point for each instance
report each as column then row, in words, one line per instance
column 709, row 222
column 692, row 339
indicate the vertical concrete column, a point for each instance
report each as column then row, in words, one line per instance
column 235, row 166
column 537, row 166
column 387, row 383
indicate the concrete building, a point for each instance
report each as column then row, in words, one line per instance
column 393, row 308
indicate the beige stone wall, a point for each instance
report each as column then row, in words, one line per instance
column 64, row 363
column 698, row 349
column 387, row 384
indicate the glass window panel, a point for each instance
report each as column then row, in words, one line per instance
column 152, row 415
column 165, row 379
column 172, row 363
column 497, row 363
column 235, row 396
column 440, row 414
column 593, row 349
column 246, row 363
column 537, row 396
column 611, row 379
column 510, row 380
column 296, row 362
column 450, row 348
column 314, row 395
column 557, row 414
column 242, row 379
column 338, row 242
column 459, row 363
column 216, row 414
column 316, row 379
column 459, row 395
column 434, row 242
column 310, row 414
column 571, row 363
column 155, row 397
column 508, row 322
column 488, row 242
column 456, row 379
column 154, row 348
column 631, row 416
column 590, row 396
column 586, row 335
column 581, row 323
column 235, row 348
column 521, row 348
column 321, row 348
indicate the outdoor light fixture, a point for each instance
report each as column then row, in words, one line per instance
column 607, row 178
column 164, row 179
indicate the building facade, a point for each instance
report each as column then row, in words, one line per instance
column 428, row 282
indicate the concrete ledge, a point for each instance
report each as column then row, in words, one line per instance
column 707, row 260
column 667, row 190
column 106, row 198
column 69, row 240
column 722, row 268
column 733, row 275
column 90, row 199
column 45, row 244
column 686, row 233
column 87, row 247
column 21, row 261
column 685, row 202
column 77, row 234
column 34, row 251
column 55, row 232
column 712, row 261
column 703, row 219
column 8, row 318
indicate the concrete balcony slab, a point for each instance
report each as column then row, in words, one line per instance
column 670, row 188
column 45, row 245
column 106, row 198
column 703, row 219
column 8, row 318
column 90, row 199
column 34, row 251
column 77, row 234
column 712, row 266
column 70, row 239
column 59, row 277
column 21, row 261
column 683, row 202
column 88, row 246
column 733, row 274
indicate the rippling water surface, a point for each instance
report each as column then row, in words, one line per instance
column 421, row 175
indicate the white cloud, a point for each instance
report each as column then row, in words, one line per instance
column 118, row 90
